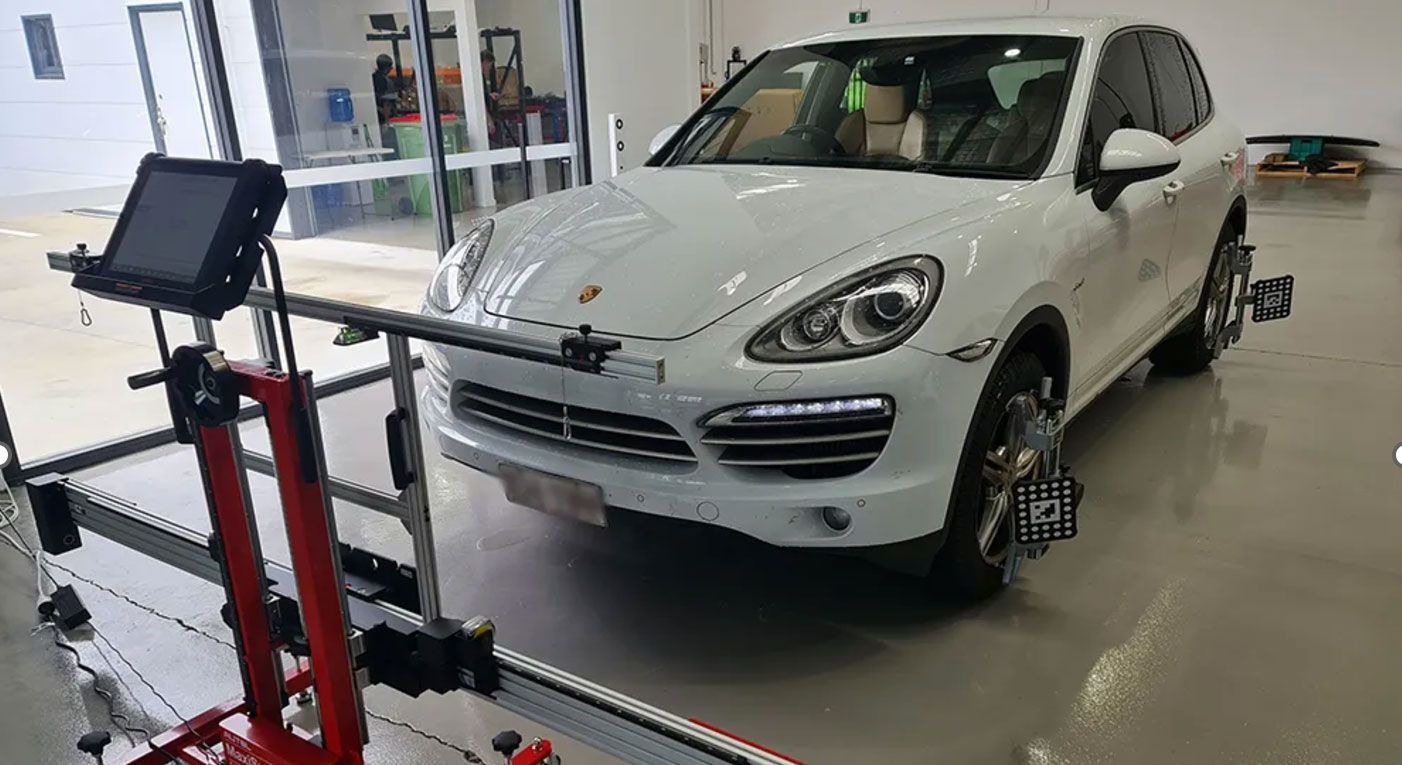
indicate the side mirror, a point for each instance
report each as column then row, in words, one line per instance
column 661, row 139
column 1131, row 156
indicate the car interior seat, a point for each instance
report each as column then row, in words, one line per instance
column 1030, row 120
column 885, row 126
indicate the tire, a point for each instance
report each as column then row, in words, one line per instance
column 963, row 568
column 1191, row 350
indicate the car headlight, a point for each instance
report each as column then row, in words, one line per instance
column 861, row 315
column 458, row 267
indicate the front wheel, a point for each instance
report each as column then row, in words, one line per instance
column 1192, row 350
column 970, row 564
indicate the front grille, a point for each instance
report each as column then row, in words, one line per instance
column 829, row 447
column 591, row 428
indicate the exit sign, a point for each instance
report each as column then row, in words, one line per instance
column 858, row 17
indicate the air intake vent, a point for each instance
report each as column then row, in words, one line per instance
column 589, row 428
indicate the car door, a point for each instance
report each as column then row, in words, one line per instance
column 1123, row 296
column 1202, row 183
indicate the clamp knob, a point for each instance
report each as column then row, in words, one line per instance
column 93, row 743
column 506, row 743
column 203, row 381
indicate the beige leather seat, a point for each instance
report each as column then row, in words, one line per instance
column 885, row 127
column 1029, row 121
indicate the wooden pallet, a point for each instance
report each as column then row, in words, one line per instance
column 1281, row 166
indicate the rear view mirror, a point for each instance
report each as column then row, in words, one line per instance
column 661, row 139
column 1132, row 156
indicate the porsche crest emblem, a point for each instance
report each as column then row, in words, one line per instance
column 589, row 293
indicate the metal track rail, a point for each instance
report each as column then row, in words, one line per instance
column 544, row 350
column 609, row 721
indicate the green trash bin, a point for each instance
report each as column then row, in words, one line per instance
column 409, row 134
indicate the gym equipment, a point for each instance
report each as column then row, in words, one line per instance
column 360, row 618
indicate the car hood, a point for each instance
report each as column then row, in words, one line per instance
column 673, row 250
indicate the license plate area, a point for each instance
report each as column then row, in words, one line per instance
column 553, row 495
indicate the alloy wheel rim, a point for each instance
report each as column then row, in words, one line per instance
column 1001, row 473
column 1219, row 295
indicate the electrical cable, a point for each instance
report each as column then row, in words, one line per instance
column 214, row 759
column 469, row 755
column 18, row 542
column 284, row 318
column 123, row 723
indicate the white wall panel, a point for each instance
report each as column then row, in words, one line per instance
column 639, row 61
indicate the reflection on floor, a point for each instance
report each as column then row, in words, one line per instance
column 1229, row 599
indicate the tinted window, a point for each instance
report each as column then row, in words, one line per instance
column 1169, row 74
column 1200, row 95
column 1122, row 99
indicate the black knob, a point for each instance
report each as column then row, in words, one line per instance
column 506, row 742
column 93, row 743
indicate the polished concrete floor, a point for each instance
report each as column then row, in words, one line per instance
column 1232, row 597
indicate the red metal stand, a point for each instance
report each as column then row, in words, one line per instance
column 252, row 731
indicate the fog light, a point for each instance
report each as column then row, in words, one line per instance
column 836, row 518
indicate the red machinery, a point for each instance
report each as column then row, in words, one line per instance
column 253, row 731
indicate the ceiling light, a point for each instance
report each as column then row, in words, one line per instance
column 1013, row 52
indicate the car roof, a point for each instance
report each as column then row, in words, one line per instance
column 1073, row 26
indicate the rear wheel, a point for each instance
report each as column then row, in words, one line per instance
column 970, row 564
column 1192, row 350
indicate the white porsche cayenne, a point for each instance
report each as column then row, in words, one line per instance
column 851, row 259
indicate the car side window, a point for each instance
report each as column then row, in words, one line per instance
column 1122, row 99
column 1172, row 84
column 1201, row 97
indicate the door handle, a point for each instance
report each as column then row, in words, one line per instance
column 1230, row 158
column 1172, row 190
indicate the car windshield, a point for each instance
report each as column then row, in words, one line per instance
column 978, row 105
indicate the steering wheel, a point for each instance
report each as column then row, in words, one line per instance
column 804, row 131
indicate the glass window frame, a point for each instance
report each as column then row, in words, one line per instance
column 1198, row 78
column 42, row 23
column 1159, row 77
column 1085, row 182
column 666, row 155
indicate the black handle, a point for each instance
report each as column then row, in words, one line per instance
column 154, row 377
column 398, row 448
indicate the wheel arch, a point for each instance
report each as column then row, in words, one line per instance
column 1236, row 216
column 1043, row 333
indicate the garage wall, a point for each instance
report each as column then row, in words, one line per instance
column 640, row 61
column 1292, row 65
column 91, row 128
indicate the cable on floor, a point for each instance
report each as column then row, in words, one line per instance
column 468, row 755
column 121, row 721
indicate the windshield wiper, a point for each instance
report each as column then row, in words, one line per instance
column 966, row 171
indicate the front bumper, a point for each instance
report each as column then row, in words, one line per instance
column 903, row 495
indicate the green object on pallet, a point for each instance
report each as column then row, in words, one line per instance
column 1302, row 148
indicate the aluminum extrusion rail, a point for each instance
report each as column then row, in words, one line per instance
column 544, row 350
